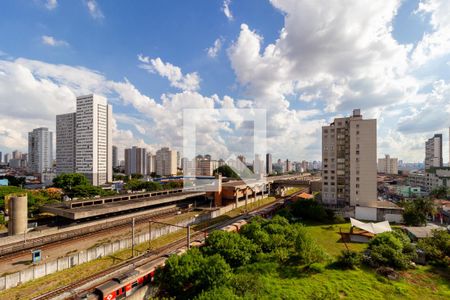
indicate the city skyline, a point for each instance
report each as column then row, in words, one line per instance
column 148, row 82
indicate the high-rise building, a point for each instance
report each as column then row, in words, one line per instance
column 84, row 140
column 65, row 143
column 40, row 150
column 166, row 162
column 349, row 161
column 151, row 163
column 206, row 166
column 136, row 161
column 1, row 157
column 433, row 152
column 268, row 163
column 16, row 154
column 288, row 166
column 258, row 165
column 388, row 165
column 6, row 157
column 115, row 159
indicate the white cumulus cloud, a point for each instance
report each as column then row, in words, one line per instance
column 226, row 9
column 51, row 41
column 215, row 49
column 189, row 81
column 51, row 4
column 94, row 9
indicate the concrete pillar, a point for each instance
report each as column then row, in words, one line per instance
column 18, row 212
column 237, row 197
column 246, row 199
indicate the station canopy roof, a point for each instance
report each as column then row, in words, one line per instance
column 374, row 228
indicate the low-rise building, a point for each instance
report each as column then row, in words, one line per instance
column 431, row 179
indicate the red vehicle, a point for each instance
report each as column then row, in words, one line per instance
column 125, row 285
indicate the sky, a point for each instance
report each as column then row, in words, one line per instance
column 302, row 62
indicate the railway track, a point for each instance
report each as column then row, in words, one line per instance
column 39, row 242
column 142, row 259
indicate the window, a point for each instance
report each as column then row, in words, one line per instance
column 357, row 185
column 357, row 178
column 357, row 132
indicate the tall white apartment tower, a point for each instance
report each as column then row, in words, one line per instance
column 349, row 161
column 94, row 139
column 433, row 152
column 84, row 140
column 65, row 143
column 40, row 150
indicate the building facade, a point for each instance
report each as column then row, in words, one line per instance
column 388, row 165
column 269, row 164
column 349, row 161
column 90, row 129
column 429, row 181
column 166, row 162
column 433, row 152
column 65, row 143
column 40, row 150
column 115, row 157
column 136, row 161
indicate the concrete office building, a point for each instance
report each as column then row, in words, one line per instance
column 136, row 161
column 349, row 161
column 84, row 140
column 433, row 152
column 166, row 162
column 388, row 165
column 268, row 163
column 40, row 150
column 65, row 143
column 1, row 157
column 115, row 158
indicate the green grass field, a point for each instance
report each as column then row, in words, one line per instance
column 294, row 283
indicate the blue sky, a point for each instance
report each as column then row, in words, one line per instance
column 304, row 62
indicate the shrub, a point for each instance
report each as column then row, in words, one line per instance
column 316, row 268
column 390, row 249
column 349, row 259
column 309, row 251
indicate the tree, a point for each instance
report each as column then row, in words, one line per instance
column 226, row 171
column 416, row 211
column 440, row 192
column 236, row 249
column 309, row 210
column 308, row 250
column 68, row 181
column 437, row 247
column 192, row 272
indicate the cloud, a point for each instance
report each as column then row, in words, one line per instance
column 226, row 10
column 94, row 9
column 215, row 49
column 436, row 43
column 51, row 41
column 51, row 4
column 189, row 81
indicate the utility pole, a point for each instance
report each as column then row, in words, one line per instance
column 149, row 235
column 189, row 236
column 132, row 238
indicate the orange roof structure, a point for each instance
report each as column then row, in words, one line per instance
column 306, row 196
